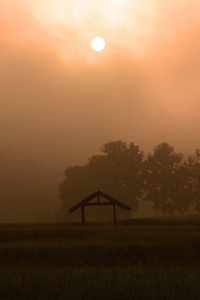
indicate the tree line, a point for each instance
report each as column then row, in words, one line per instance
column 167, row 179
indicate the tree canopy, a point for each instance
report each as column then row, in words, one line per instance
column 165, row 178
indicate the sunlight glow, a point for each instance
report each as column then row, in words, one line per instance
column 98, row 43
column 137, row 27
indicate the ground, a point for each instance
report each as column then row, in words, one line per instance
column 138, row 259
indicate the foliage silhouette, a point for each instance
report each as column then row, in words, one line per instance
column 165, row 178
column 116, row 172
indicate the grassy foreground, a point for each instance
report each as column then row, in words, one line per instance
column 141, row 259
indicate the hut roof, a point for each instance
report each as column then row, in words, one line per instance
column 111, row 201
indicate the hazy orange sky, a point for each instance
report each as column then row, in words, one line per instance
column 61, row 100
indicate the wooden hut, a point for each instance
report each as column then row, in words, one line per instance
column 88, row 202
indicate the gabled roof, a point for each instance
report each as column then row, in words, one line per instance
column 111, row 200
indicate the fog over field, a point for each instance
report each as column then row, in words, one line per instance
column 60, row 101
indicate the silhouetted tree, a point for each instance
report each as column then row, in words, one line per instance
column 116, row 172
column 193, row 166
column 119, row 171
column 182, row 189
column 74, row 187
column 166, row 180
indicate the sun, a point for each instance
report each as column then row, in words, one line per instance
column 98, row 43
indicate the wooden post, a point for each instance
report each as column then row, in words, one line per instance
column 83, row 215
column 114, row 215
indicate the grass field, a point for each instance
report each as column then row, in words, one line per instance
column 139, row 259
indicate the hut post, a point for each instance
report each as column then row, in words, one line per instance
column 83, row 215
column 114, row 215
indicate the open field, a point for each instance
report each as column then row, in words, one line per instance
column 140, row 259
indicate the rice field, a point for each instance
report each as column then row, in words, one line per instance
column 138, row 259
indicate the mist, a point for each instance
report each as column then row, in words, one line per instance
column 58, row 112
